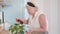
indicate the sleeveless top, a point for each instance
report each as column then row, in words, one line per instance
column 34, row 22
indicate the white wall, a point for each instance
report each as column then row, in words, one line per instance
column 50, row 7
column 54, row 14
column 58, row 16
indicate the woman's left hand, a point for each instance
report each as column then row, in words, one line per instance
column 30, row 31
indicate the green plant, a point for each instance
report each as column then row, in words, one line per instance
column 16, row 29
column 0, row 21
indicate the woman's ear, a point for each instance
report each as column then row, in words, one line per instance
column 36, row 8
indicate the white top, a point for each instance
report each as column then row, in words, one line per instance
column 34, row 23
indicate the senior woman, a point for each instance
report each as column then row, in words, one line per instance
column 36, row 20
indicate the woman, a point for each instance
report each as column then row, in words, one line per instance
column 36, row 21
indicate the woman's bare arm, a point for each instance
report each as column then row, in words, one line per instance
column 42, row 21
column 25, row 21
column 22, row 21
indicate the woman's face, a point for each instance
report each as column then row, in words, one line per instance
column 31, row 10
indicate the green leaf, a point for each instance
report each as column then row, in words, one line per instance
column 0, row 21
column 21, row 28
column 21, row 32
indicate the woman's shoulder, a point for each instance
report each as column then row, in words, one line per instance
column 41, row 12
column 41, row 15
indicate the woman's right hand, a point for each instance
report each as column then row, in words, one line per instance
column 18, row 20
column 21, row 21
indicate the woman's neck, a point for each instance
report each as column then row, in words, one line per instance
column 33, row 15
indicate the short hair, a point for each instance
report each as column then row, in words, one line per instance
column 30, row 4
